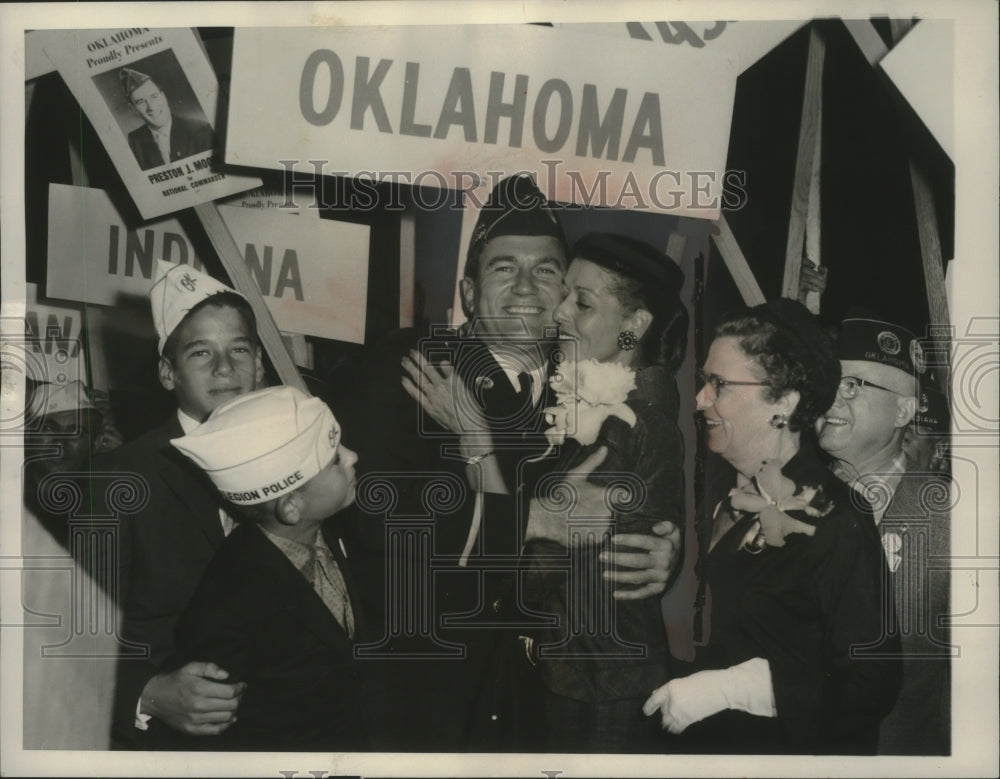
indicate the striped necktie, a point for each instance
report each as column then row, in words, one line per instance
column 328, row 581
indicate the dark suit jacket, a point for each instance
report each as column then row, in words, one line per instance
column 916, row 533
column 255, row 615
column 452, row 701
column 163, row 550
column 393, row 436
column 187, row 137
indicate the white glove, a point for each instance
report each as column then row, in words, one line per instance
column 745, row 687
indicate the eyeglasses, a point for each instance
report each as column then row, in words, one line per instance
column 849, row 386
column 716, row 382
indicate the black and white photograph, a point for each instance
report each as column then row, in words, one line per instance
column 173, row 126
column 411, row 389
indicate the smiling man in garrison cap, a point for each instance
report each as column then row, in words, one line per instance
column 207, row 342
column 878, row 397
column 490, row 699
column 164, row 137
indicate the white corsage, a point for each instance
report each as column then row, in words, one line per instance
column 587, row 393
column 769, row 495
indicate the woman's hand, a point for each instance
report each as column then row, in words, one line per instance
column 690, row 699
column 685, row 701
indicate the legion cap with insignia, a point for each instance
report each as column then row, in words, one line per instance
column 515, row 207
column 872, row 340
column 131, row 80
column 262, row 445
column 176, row 290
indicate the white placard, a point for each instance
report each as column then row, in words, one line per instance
column 52, row 344
column 628, row 127
column 313, row 273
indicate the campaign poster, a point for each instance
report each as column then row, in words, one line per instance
column 154, row 100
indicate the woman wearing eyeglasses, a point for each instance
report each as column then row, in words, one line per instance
column 793, row 566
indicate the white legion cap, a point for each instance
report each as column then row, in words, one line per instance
column 176, row 290
column 258, row 446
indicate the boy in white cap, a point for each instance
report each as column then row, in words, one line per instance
column 208, row 354
column 274, row 606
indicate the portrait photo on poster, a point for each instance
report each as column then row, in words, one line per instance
column 156, row 91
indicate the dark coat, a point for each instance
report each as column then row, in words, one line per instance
column 815, row 609
column 257, row 616
column 916, row 531
column 627, row 655
column 459, row 663
column 187, row 137
column 163, row 549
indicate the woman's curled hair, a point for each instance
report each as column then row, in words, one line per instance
column 643, row 278
column 795, row 352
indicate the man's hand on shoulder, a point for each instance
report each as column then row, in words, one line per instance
column 654, row 565
column 194, row 699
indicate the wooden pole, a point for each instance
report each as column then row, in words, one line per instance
column 867, row 39
column 218, row 233
column 737, row 263
column 407, row 266
column 688, row 245
column 812, row 98
column 930, row 246
column 813, row 299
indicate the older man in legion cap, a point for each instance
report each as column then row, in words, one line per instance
column 164, row 137
column 878, row 398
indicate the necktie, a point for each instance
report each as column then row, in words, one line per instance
column 329, row 583
column 163, row 144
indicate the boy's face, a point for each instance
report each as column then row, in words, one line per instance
column 216, row 359
column 332, row 489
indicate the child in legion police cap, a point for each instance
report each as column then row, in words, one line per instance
column 275, row 607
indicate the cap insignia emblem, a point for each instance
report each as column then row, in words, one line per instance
column 888, row 342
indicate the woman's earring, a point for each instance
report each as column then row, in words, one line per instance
column 778, row 421
column 627, row 340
